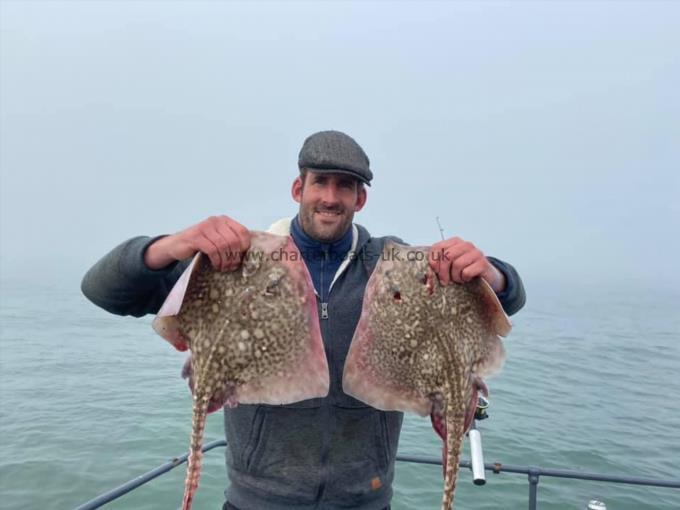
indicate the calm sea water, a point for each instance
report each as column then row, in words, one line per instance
column 90, row 400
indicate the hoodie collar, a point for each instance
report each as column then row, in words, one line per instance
column 308, row 244
column 360, row 235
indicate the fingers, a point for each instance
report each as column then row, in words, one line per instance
column 222, row 239
column 239, row 242
column 223, row 246
column 456, row 260
column 473, row 270
column 242, row 233
column 434, row 258
column 202, row 242
column 230, row 239
column 441, row 257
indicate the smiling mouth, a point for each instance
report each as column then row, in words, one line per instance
column 328, row 214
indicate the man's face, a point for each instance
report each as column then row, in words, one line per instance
column 328, row 202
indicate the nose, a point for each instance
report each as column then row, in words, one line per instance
column 330, row 195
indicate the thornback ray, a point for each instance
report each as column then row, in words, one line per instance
column 422, row 347
column 253, row 334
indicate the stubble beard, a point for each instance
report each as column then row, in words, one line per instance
column 312, row 226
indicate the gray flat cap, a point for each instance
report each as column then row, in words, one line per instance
column 336, row 152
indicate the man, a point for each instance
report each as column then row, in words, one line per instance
column 324, row 453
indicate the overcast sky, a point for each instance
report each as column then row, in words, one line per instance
column 546, row 133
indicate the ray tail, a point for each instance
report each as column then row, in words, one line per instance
column 455, row 418
column 196, row 450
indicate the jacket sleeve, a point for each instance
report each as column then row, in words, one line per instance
column 121, row 283
column 513, row 297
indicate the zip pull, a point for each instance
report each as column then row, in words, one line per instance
column 324, row 310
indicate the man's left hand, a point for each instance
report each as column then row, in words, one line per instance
column 457, row 260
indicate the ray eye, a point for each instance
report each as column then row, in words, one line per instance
column 272, row 285
column 397, row 296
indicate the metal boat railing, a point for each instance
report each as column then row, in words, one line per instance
column 533, row 473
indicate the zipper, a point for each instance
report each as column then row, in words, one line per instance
column 329, row 414
column 324, row 298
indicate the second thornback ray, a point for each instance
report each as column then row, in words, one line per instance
column 424, row 348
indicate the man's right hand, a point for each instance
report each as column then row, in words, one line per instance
column 221, row 238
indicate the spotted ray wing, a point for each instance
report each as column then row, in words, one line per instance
column 253, row 334
column 422, row 347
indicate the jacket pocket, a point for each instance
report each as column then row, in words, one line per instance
column 360, row 471
column 282, row 445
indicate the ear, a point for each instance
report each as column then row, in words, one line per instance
column 296, row 190
column 361, row 199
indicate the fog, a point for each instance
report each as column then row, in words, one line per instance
column 546, row 133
